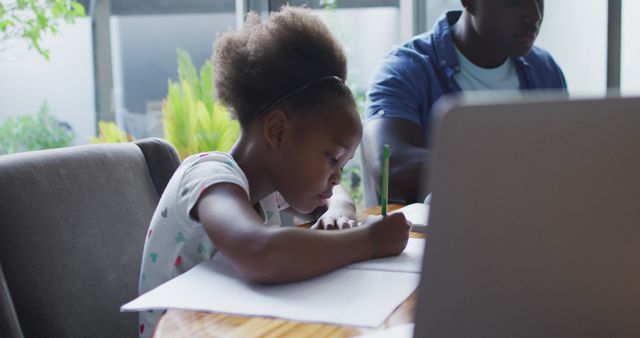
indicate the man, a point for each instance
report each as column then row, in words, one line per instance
column 487, row 46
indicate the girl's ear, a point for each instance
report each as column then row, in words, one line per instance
column 276, row 127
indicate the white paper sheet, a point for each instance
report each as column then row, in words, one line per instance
column 400, row 331
column 347, row 296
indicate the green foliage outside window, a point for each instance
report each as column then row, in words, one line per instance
column 193, row 120
column 108, row 132
column 352, row 175
column 30, row 19
column 28, row 132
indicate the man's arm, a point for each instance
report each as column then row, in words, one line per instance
column 408, row 157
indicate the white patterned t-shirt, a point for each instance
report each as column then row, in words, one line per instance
column 175, row 241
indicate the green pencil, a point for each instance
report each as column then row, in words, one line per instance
column 384, row 189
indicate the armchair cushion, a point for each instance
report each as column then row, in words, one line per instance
column 72, row 229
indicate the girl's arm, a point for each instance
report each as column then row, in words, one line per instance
column 278, row 255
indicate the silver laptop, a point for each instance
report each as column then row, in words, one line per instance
column 535, row 220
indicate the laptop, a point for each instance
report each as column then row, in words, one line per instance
column 534, row 228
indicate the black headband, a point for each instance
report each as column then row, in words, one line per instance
column 298, row 90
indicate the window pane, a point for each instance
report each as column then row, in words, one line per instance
column 144, row 56
column 435, row 8
column 367, row 34
column 630, row 48
column 575, row 33
column 367, row 30
column 63, row 85
column 354, row 23
column 355, row 27
column 318, row 4
column 577, row 42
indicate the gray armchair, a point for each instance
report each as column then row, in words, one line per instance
column 72, row 228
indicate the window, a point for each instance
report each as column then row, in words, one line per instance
column 367, row 29
column 145, row 37
column 577, row 42
column 62, row 86
column 630, row 77
column 120, row 56
column 435, row 8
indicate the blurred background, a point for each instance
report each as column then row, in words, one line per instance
column 74, row 72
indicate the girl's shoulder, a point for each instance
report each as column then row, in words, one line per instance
column 209, row 156
column 216, row 158
column 208, row 168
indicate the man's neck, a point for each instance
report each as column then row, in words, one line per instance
column 473, row 46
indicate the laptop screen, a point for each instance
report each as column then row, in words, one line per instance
column 535, row 220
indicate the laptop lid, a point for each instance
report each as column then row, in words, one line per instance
column 535, row 220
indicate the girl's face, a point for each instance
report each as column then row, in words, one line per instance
column 313, row 154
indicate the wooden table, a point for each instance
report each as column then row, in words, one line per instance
column 180, row 323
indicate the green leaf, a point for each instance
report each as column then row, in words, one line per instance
column 4, row 24
column 42, row 20
column 78, row 9
column 34, row 37
column 206, row 93
column 34, row 132
column 22, row 4
column 32, row 25
column 30, row 18
column 193, row 121
column 110, row 133
column 186, row 70
column 58, row 10
column 34, row 6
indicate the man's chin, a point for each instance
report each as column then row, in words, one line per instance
column 521, row 51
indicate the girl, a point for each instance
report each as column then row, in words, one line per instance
column 284, row 81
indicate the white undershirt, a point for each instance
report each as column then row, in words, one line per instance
column 473, row 78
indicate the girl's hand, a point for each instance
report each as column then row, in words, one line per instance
column 389, row 234
column 336, row 218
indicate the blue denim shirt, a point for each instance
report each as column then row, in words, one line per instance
column 412, row 77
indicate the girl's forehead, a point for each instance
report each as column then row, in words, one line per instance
column 340, row 129
column 334, row 118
